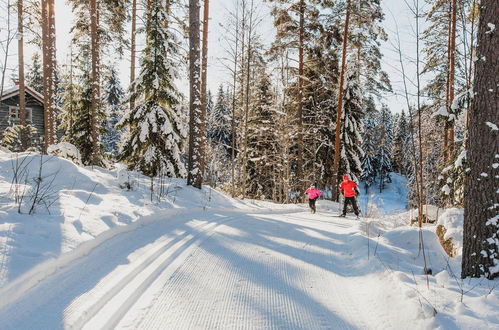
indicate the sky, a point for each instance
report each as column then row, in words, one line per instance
column 396, row 15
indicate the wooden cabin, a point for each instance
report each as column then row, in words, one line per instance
column 9, row 110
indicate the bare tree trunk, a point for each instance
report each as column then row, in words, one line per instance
column 48, row 48
column 133, row 46
column 447, row 87
column 480, row 241
column 336, row 161
column 6, row 48
column 299, row 163
column 420, row 137
column 95, row 52
column 53, row 69
column 22, row 89
column 470, row 70
column 204, row 72
column 452, row 66
column 247, row 101
column 194, row 176
column 233, row 119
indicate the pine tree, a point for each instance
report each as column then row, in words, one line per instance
column 98, row 25
column 113, row 96
column 155, row 131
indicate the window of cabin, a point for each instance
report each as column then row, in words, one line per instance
column 14, row 114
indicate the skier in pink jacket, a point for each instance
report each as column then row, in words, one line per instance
column 313, row 195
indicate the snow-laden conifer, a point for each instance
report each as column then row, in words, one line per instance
column 352, row 128
column 113, row 97
column 155, row 131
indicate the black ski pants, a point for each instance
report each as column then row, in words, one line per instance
column 311, row 203
column 353, row 201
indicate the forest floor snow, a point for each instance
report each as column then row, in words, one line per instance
column 97, row 256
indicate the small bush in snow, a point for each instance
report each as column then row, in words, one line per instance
column 65, row 150
column 125, row 179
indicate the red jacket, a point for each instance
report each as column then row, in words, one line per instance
column 348, row 187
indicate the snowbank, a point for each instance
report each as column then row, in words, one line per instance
column 453, row 220
column 50, row 206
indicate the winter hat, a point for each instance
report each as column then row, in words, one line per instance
column 345, row 177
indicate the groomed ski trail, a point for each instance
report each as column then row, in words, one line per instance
column 211, row 270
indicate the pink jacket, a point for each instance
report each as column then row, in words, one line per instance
column 313, row 193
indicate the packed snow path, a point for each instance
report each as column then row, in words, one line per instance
column 209, row 270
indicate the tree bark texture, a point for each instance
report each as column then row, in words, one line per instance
column 133, row 46
column 481, row 194
column 337, row 145
column 94, row 40
column 22, row 89
column 204, row 73
column 452, row 67
column 48, row 50
column 299, row 163
column 194, row 175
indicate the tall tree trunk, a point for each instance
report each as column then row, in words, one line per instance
column 299, row 163
column 22, row 92
column 194, row 175
column 452, row 71
column 481, row 214
column 246, row 103
column 133, row 46
column 204, row 72
column 48, row 49
column 447, row 86
column 46, row 73
column 53, row 69
column 470, row 70
column 94, row 108
column 233, row 119
column 337, row 145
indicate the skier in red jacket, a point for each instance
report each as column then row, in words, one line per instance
column 313, row 195
column 349, row 189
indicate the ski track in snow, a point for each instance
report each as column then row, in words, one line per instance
column 214, row 271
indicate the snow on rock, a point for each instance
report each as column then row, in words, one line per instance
column 453, row 219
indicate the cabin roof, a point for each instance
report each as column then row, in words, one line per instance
column 14, row 90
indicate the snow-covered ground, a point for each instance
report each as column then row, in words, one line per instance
column 93, row 255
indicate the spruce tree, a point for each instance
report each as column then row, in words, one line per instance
column 401, row 147
column 351, row 139
column 262, row 141
column 155, row 131
column 369, row 146
column 113, row 97
column 220, row 121
column 385, row 140
column 75, row 115
column 34, row 76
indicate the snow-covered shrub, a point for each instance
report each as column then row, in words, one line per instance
column 65, row 150
column 11, row 137
column 452, row 220
column 125, row 178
